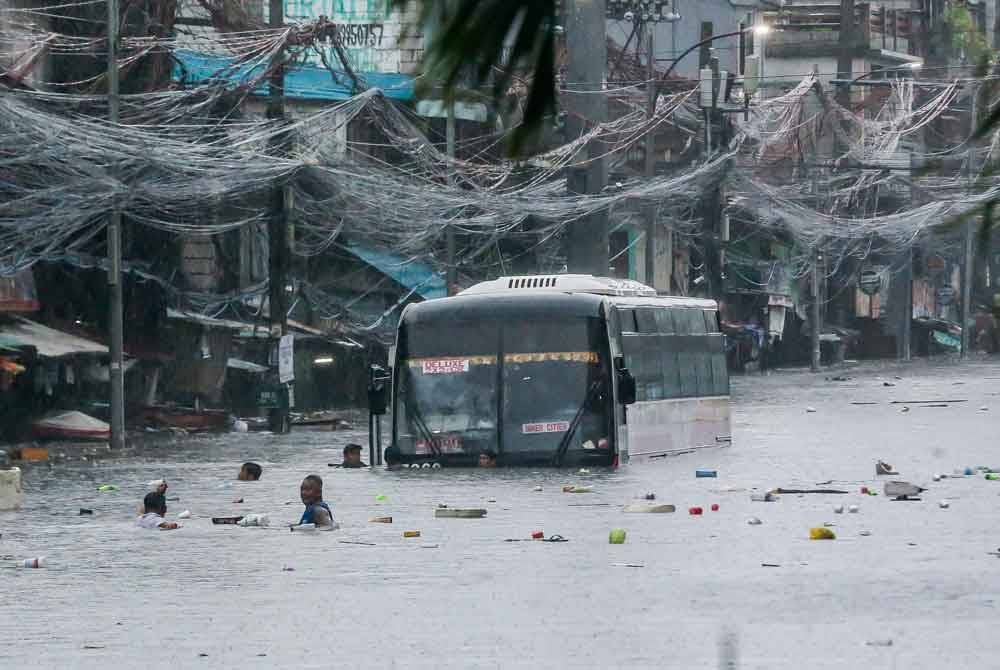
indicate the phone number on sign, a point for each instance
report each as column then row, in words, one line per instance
column 356, row 34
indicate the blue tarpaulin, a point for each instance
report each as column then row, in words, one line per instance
column 412, row 274
column 304, row 82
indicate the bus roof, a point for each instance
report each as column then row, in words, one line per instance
column 566, row 283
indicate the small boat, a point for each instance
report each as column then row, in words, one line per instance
column 70, row 425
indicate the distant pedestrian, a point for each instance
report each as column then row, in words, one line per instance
column 317, row 511
column 154, row 507
column 487, row 459
column 393, row 459
column 352, row 457
column 250, row 472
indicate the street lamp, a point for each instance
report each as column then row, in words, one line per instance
column 760, row 30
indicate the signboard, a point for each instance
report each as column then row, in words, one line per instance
column 945, row 295
column 550, row 427
column 444, row 366
column 286, row 359
column 368, row 29
column 870, row 282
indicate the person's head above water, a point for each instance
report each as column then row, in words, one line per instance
column 487, row 459
column 352, row 455
column 154, row 503
column 311, row 490
column 392, row 455
column 250, row 472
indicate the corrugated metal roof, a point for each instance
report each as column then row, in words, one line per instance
column 49, row 342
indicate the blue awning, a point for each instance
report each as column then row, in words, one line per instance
column 414, row 275
column 304, row 82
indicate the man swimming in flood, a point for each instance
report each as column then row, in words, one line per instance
column 249, row 472
column 154, row 508
column 317, row 511
column 487, row 459
column 352, row 457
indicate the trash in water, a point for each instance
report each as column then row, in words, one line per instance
column 695, row 511
column 365, row 544
column 821, row 534
column 968, row 472
column 644, row 507
column 577, row 489
column 288, row 568
column 380, row 498
column 706, row 473
column 838, row 509
column 883, row 468
column 537, row 489
column 186, row 514
column 650, row 496
column 301, row 527
column 583, row 471
column 260, row 520
column 443, row 512
column 714, row 507
column 944, row 504
column 93, row 646
column 411, row 533
column 992, row 476
column 428, row 546
column 984, row 408
column 764, row 497
column 769, row 565
column 879, row 643
column 936, row 478
column 381, row 519
column 810, row 410
column 226, row 520
column 616, row 536
column 491, row 500
column 904, row 410
column 84, row 511
column 902, row 490
column 34, row 562
column 864, row 533
column 238, row 501
column 754, row 521
column 829, row 524
column 627, row 565
column 853, row 509
column 887, row 384
column 538, row 535
column 106, row 488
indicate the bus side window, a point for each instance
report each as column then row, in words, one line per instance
column 646, row 320
column 711, row 321
column 665, row 322
column 627, row 318
column 720, row 374
column 687, row 364
column 631, row 347
column 652, row 366
column 671, row 370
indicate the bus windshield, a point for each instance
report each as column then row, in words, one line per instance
column 529, row 390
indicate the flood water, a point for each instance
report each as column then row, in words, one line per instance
column 459, row 596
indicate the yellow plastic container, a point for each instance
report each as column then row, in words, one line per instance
column 411, row 533
column 821, row 534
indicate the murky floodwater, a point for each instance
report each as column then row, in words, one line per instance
column 462, row 597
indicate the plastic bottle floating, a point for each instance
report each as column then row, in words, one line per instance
column 821, row 534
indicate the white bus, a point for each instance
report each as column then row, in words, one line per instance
column 559, row 369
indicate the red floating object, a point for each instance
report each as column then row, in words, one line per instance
column 538, row 535
column 695, row 511
column 715, row 507
column 864, row 489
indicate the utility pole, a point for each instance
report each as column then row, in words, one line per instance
column 116, row 326
column 814, row 327
column 586, row 46
column 845, row 51
column 452, row 275
column 277, row 225
column 652, row 234
column 968, row 257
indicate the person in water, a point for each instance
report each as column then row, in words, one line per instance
column 250, row 472
column 393, row 459
column 154, row 508
column 352, row 457
column 487, row 459
column 317, row 511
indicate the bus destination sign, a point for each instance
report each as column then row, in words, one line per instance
column 550, row 427
column 444, row 366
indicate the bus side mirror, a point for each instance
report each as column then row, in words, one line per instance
column 378, row 392
column 626, row 387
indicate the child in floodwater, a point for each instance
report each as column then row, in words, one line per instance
column 154, row 508
column 317, row 511
column 250, row 472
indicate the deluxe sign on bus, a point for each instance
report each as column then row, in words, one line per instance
column 444, row 366
column 550, row 427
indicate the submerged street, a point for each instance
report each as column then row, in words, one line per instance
column 684, row 591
